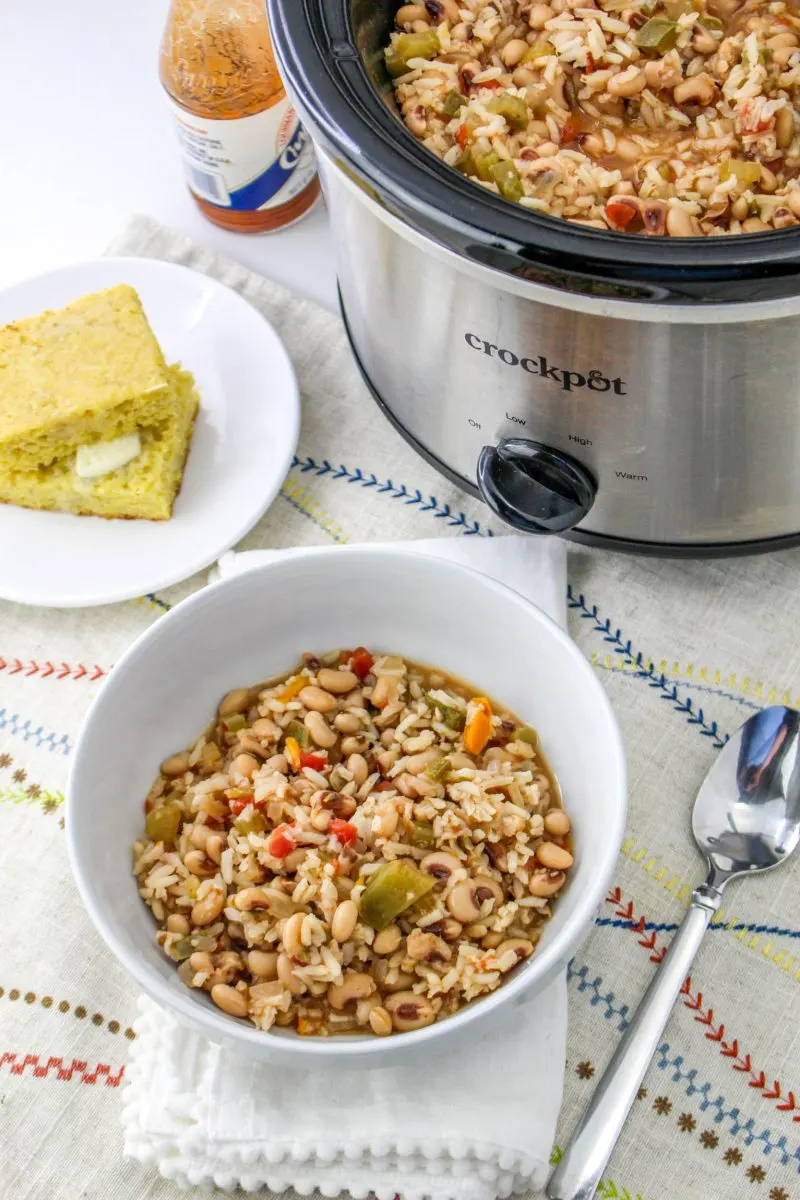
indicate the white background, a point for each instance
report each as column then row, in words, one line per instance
column 87, row 141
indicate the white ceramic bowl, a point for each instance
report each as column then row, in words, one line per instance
column 256, row 625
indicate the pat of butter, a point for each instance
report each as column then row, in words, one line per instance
column 101, row 458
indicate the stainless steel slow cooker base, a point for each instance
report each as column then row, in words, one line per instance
column 583, row 537
column 642, row 393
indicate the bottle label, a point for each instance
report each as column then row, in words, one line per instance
column 247, row 163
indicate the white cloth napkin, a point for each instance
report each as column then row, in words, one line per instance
column 475, row 1124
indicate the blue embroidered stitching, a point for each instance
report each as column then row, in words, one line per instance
column 25, row 730
column 442, row 512
column 664, row 1063
column 693, row 716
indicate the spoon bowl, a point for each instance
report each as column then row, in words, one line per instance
column 746, row 818
column 747, row 813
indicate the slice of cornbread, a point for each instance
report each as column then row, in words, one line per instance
column 145, row 487
column 92, row 370
column 72, row 383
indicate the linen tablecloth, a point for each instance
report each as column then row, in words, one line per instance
column 685, row 649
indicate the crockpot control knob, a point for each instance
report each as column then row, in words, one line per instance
column 534, row 487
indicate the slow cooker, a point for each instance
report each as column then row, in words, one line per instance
column 636, row 392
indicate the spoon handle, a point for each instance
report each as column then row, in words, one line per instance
column 584, row 1160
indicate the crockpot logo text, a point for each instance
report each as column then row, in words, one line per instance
column 595, row 381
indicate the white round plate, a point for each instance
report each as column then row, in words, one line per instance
column 244, row 439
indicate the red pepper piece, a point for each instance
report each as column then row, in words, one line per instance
column 343, row 830
column 361, row 662
column 237, row 804
column 621, row 212
column 315, row 761
column 280, row 841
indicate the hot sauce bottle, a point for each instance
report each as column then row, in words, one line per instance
column 249, row 163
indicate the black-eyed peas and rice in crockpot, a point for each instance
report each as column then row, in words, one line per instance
column 364, row 845
column 646, row 116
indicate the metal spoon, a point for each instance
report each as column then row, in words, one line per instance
column 746, row 818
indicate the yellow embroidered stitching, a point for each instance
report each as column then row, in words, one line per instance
column 299, row 495
column 765, row 693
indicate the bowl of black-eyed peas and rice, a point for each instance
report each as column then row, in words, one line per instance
column 372, row 823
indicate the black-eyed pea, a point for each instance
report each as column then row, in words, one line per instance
column 201, row 963
column 417, row 763
column 546, row 883
column 427, row 947
column 700, row 88
column 784, row 127
column 178, row 764
column 539, row 15
column 409, row 1011
column 199, row 835
column 347, row 722
column 462, row 902
column 263, row 964
column 231, row 1000
column 397, row 981
column 292, row 934
column 338, row 682
column 338, row 804
column 440, row 864
column 553, row 857
column 227, row 966
column 235, row 702
column 365, row 1007
column 215, row 844
column 384, row 823
column 386, row 692
column 627, row 83
column 512, row 52
column 266, row 729
column 487, row 888
column 209, row 908
column 520, row 947
column 357, row 766
column 476, row 931
column 354, row 745
column 177, row 923
column 491, row 941
column 557, row 822
column 251, row 899
column 679, row 222
column 244, row 767
column 387, row 940
column 317, row 699
column 320, row 820
column 290, row 981
column 278, row 763
column 235, row 931
column 344, row 920
column 199, row 864
column 380, row 1021
column 355, row 986
column 409, row 14
column 321, row 732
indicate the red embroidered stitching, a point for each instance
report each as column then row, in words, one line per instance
column 705, row 1016
column 63, row 670
column 19, row 1066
